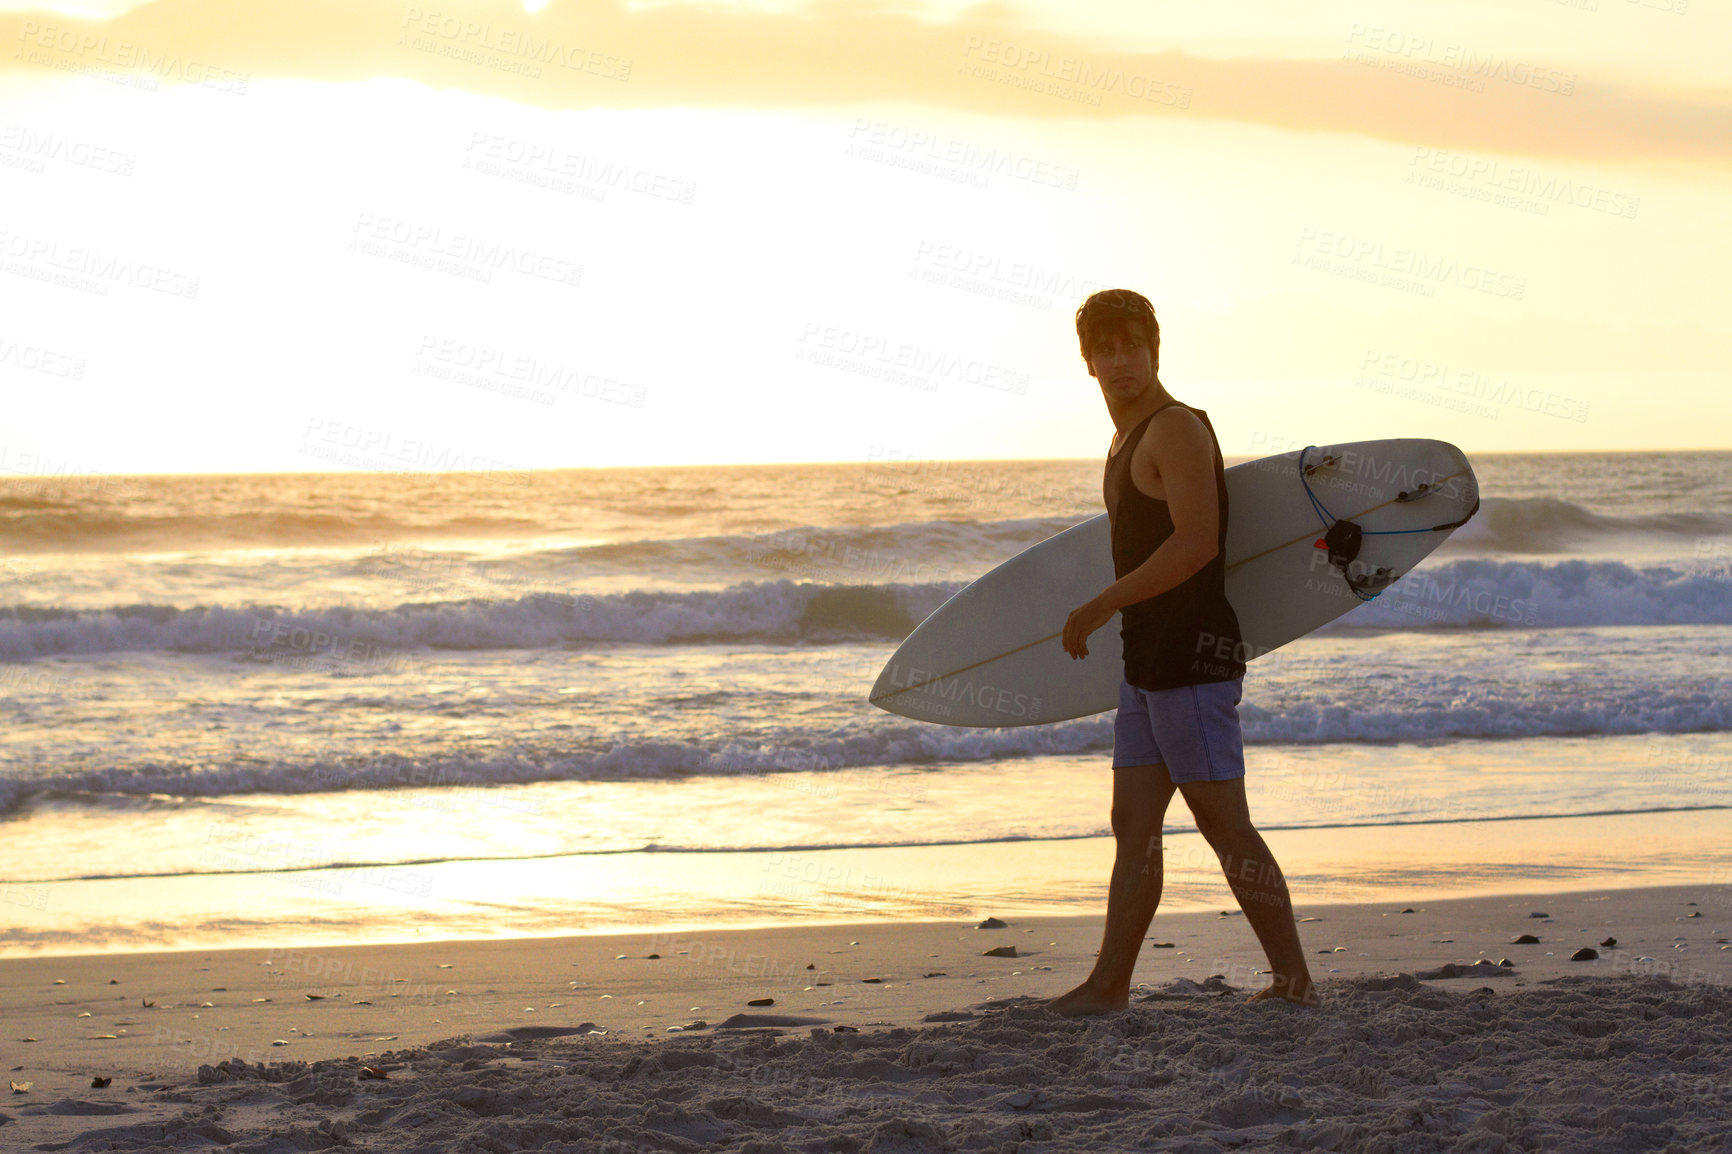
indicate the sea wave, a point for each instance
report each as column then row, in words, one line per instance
column 1464, row 593
column 35, row 525
column 909, row 549
column 779, row 612
column 915, row 551
column 1486, row 593
column 849, row 746
column 1530, row 525
column 1374, row 710
column 954, row 548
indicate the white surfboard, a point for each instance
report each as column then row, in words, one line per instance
column 990, row 656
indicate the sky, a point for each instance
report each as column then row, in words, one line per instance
column 252, row 237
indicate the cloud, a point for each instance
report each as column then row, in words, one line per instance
column 604, row 55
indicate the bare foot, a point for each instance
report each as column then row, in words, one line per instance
column 1085, row 999
column 1301, row 992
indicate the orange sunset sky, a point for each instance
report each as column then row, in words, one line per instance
column 595, row 233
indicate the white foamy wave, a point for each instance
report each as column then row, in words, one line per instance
column 1489, row 711
column 1503, row 594
column 781, row 612
column 926, row 552
column 1314, row 711
column 858, row 744
column 1552, row 525
column 1462, row 593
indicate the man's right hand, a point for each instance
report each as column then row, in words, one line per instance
column 1083, row 621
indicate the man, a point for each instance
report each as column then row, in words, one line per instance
column 1178, row 724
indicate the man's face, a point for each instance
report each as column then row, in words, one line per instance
column 1123, row 363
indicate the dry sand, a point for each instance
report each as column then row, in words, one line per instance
column 494, row 1045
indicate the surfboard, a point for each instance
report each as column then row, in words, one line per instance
column 991, row 654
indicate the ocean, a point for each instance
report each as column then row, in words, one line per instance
column 380, row 706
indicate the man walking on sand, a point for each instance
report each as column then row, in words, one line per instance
column 1178, row 721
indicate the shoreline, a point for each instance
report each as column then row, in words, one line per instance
column 536, row 899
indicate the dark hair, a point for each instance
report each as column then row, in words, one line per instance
column 1121, row 310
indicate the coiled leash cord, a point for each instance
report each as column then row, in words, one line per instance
column 1343, row 538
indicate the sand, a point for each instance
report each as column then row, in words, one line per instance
column 904, row 1037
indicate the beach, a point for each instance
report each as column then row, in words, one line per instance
column 485, row 487
column 905, row 1036
column 359, row 829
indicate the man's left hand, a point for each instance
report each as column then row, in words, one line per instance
column 1083, row 621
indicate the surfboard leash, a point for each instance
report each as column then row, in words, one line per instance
column 1343, row 538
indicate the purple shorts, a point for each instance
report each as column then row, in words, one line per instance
column 1192, row 730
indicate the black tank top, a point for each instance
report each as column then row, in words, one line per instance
column 1188, row 635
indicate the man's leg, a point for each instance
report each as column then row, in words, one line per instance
column 1224, row 820
column 1140, row 797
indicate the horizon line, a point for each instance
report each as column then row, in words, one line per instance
column 8, row 475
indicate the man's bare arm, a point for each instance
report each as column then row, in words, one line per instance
column 1186, row 460
column 1184, row 454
